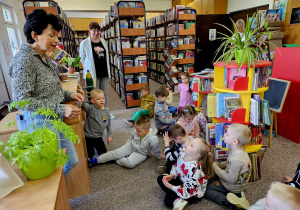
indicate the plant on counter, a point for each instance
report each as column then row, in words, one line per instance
column 35, row 146
column 71, row 62
column 249, row 49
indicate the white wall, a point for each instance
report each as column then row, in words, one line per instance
column 104, row 5
column 236, row 5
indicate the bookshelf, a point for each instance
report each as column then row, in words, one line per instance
column 156, row 44
column 180, row 26
column 124, row 30
column 67, row 35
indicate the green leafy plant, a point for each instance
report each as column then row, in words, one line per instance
column 24, row 147
column 251, row 45
column 72, row 62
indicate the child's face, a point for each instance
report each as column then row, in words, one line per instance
column 188, row 118
column 228, row 136
column 162, row 99
column 184, row 79
column 141, row 131
column 191, row 148
column 168, row 89
column 144, row 92
column 98, row 100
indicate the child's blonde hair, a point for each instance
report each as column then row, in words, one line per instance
column 287, row 194
column 206, row 159
column 241, row 132
column 145, row 88
column 176, row 130
column 96, row 91
column 144, row 122
column 188, row 110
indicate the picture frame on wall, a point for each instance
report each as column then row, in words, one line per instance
column 295, row 16
column 212, row 34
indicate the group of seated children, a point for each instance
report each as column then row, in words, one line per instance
column 189, row 172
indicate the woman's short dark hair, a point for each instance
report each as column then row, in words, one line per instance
column 94, row 25
column 37, row 21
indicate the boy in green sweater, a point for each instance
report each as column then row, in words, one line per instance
column 147, row 106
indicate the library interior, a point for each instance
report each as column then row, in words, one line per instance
column 149, row 104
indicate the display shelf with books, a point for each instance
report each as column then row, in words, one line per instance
column 127, row 45
column 238, row 94
column 156, row 42
column 67, row 35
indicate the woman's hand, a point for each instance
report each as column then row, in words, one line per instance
column 77, row 97
column 71, row 111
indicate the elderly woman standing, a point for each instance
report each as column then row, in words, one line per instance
column 94, row 57
column 34, row 78
column 240, row 25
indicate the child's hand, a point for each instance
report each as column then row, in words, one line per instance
column 162, row 156
column 167, row 178
column 286, row 179
column 147, row 106
column 166, row 139
column 166, row 182
column 109, row 139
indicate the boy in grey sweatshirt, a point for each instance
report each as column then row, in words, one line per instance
column 235, row 172
column 139, row 145
column 97, row 120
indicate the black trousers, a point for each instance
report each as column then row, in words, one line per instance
column 171, row 196
column 97, row 143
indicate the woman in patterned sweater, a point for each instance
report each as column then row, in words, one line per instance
column 33, row 77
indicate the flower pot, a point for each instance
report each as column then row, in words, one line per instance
column 71, row 70
column 39, row 169
column 239, row 56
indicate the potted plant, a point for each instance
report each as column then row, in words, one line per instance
column 245, row 50
column 71, row 63
column 35, row 149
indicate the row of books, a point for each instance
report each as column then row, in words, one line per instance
column 160, row 31
column 78, row 40
column 205, row 85
column 157, row 67
column 151, row 44
column 186, row 40
column 135, row 61
column 172, row 71
column 259, row 111
column 185, row 54
column 157, row 77
column 217, row 104
column 186, row 68
column 138, row 42
column 186, row 25
column 255, row 163
column 170, row 60
column 160, row 56
column 152, row 55
column 260, row 77
column 112, row 45
column 215, row 134
column 150, row 33
column 131, row 23
column 172, row 13
column 133, row 79
column 160, row 44
column 231, row 74
column 81, row 34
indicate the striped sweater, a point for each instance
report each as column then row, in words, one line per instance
column 162, row 116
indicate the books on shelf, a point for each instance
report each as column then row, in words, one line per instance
column 129, row 79
column 231, row 105
column 221, row 108
column 231, row 74
column 215, row 134
column 212, row 105
column 265, row 112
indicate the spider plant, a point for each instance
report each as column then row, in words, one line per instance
column 251, row 46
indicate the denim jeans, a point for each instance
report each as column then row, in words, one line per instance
column 25, row 121
column 216, row 192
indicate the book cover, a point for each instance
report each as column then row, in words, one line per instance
column 257, row 98
column 224, row 130
column 231, row 105
column 211, row 105
column 233, row 74
column 219, row 134
column 221, row 102
column 211, row 133
column 254, row 112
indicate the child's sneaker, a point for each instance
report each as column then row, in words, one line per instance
column 92, row 162
column 129, row 122
column 235, row 201
column 162, row 169
column 179, row 204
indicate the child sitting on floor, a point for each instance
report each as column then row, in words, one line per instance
column 147, row 106
column 186, row 181
column 175, row 140
column 235, row 172
column 97, row 120
column 162, row 116
column 188, row 122
column 137, row 147
column 172, row 109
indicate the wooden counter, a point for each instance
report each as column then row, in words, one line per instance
column 75, row 184
column 47, row 194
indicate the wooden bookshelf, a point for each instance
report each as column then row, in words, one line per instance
column 111, row 30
